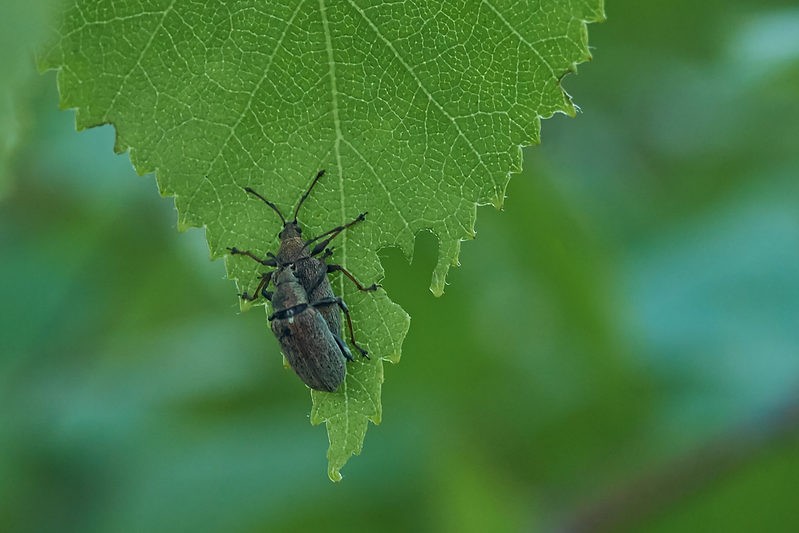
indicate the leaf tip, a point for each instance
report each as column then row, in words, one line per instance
column 498, row 202
column 334, row 474
column 438, row 282
column 448, row 253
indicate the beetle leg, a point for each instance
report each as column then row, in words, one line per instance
column 270, row 261
column 260, row 290
column 339, row 268
column 333, row 233
column 316, row 283
column 334, row 300
column 323, row 275
column 343, row 347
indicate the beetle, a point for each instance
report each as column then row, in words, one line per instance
column 309, row 267
column 305, row 338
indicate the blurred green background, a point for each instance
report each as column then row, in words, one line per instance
column 619, row 350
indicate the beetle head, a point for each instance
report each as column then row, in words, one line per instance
column 291, row 230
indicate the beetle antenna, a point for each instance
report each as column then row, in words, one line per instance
column 267, row 202
column 304, row 196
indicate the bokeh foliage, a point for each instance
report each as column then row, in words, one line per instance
column 636, row 300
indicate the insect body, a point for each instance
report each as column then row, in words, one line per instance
column 304, row 336
column 309, row 270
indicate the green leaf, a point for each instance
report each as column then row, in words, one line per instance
column 417, row 110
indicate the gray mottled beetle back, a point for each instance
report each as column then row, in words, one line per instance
column 304, row 336
column 312, row 275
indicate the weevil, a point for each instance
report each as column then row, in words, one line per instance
column 305, row 338
column 310, row 268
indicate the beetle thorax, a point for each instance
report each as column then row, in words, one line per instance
column 291, row 250
column 288, row 291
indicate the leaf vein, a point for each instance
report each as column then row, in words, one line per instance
column 139, row 59
column 421, row 86
column 257, row 87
